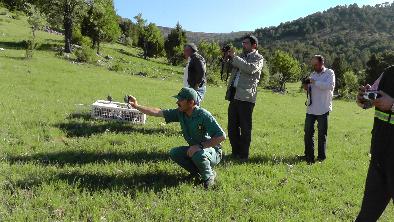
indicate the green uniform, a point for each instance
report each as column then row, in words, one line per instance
column 199, row 127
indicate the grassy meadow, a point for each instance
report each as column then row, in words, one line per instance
column 57, row 164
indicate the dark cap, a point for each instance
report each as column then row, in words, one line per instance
column 192, row 46
column 187, row 94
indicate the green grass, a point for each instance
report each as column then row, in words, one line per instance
column 57, row 164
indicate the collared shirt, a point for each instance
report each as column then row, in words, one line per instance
column 199, row 127
column 186, row 74
column 322, row 92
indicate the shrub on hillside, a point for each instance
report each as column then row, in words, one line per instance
column 350, row 85
column 86, row 53
column 77, row 37
column 30, row 46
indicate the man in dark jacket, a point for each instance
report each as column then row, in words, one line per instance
column 379, row 187
column 194, row 74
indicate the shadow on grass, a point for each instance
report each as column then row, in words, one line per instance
column 15, row 57
column 13, row 45
column 155, row 181
column 97, row 181
column 88, row 127
column 47, row 46
column 126, row 53
column 266, row 160
column 83, row 116
column 82, row 157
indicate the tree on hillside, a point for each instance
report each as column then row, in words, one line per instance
column 36, row 21
column 100, row 23
column 174, row 45
column 63, row 14
column 140, row 29
column 373, row 70
column 340, row 67
column 349, row 85
column 377, row 64
column 211, row 52
column 152, row 41
column 286, row 67
column 127, row 29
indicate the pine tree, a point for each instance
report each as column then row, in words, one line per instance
column 174, row 45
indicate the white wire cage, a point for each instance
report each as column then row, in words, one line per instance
column 116, row 111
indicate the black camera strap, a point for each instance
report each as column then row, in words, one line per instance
column 308, row 96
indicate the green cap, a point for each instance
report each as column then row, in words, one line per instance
column 187, row 94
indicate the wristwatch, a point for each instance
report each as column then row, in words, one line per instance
column 201, row 146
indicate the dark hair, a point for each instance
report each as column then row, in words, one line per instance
column 191, row 46
column 253, row 40
column 319, row 58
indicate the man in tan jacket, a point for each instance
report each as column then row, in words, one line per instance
column 242, row 92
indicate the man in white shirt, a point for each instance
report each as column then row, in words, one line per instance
column 320, row 91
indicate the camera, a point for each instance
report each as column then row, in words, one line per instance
column 371, row 95
column 126, row 99
column 306, row 81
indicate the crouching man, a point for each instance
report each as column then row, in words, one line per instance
column 200, row 130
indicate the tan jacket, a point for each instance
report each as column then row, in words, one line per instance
column 249, row 68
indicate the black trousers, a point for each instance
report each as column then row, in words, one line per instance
column 240, row 127
column 379, row 186
column 322, row 125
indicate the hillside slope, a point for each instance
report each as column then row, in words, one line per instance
column 350, row 32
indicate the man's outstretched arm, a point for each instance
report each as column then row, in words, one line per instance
column 150, row 111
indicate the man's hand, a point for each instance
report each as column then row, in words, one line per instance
column 361, row 93
column 192, row 150
column 133, row 101
column 384, row 103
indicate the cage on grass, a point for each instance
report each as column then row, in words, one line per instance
column 116, row 111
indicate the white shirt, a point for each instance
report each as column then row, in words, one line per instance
column 236, row 80
column 186, row 74
column 322, row 92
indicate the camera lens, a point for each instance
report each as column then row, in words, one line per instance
column 372, row 96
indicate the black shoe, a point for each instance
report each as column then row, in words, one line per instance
column 233, row 156
column 321, row 159
column 309, row 160
column 210, row 181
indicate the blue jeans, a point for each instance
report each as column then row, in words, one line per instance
column 201, row 94
column 322, row 125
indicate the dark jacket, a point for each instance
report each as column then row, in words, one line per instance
column 197, row 71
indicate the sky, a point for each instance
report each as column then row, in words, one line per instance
column 223, row 16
